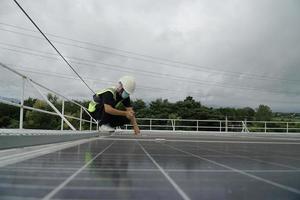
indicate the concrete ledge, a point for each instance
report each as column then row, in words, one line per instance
column 13, row 138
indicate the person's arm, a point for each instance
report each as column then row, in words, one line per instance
column 110, row 110
column 108, row 101
column 133, row 121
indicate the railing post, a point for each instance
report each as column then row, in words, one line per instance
column 97, row 126
column 150, row 124
column 22, row 104
column 226, row 124
column 80, row 124
column 63, row 113
column 287, row 127
column 220, row 126
column 197, row 125
column 265, row 127
column 90, row 123
column 174, row 125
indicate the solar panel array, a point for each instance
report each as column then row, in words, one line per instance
column 126, row 167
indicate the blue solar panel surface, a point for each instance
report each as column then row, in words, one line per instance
column 179, row 167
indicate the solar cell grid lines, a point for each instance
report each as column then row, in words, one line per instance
column 159, row 166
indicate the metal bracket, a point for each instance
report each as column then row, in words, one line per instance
column 245, row 129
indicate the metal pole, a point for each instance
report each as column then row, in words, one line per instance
column 287, row 127
column 90, row 123
column 220, row 126
column 265, row 127
column 197, row 125
column 226, row 124
column 22, row 104
column 174, row 125
column 63, row 113
column 80, row 124
column 150, row 124
column 51, row 105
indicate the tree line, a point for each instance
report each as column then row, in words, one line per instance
column 188, row 108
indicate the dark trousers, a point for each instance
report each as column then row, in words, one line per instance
column 112, row 120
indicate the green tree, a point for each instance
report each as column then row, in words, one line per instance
column 141, row 109
column 160, row 108
column 229, row 112
column 9, row 116
column 263, row 113
column 245, row 113
column 5, row 121
column 52, row 98
column 188, row 108
column 38, row 120
column 138, row 104
column 30, row 102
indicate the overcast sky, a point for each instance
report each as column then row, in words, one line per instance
column 224, row 53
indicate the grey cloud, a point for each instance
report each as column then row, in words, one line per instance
column 249, row 37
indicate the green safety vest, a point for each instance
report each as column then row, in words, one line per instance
column 93, row 104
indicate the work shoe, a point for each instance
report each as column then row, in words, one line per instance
column 106, row 128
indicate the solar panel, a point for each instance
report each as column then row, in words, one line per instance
column 160, row 166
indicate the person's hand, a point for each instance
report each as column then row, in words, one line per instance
column 129, row 114
column 136, row 130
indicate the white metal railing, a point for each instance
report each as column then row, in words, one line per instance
column 216, row 125
column 37, row 86
column 149, row 123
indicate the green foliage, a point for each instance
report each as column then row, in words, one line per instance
column 140, row 108
column 38, row 120
column 263, row 113
column 52, row 98
column 9, row 116
column 5, row 121
column 29, row 102
column 189, row 108
column 138, row 104
column 161, row 108
column 237, row 113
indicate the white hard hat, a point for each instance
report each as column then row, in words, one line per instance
column 128, row 83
